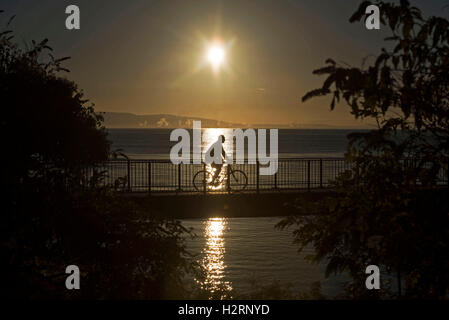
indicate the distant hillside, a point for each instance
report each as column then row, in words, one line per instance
column 130, row 120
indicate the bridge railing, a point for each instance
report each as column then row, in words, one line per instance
column 153, row 176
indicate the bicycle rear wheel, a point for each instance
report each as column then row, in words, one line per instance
column 238, row 180
column 201, row 180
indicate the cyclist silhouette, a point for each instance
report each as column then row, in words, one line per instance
column 210, row 151
column 203, row 180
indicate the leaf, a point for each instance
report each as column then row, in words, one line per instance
column 62, row 59
column 315, row 93
column 10, row 20
column 333, row 103
column 395, row 61
column 422, row 35
column 328, row 82
column 392, row 38
column 324, row 70
column 360, row 12
column 381, row 59
column 408, row 25
column 405, row 3
column 5, row 32
column 393, row 20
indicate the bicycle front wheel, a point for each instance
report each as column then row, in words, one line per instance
column 201, row 180
column 238, row 180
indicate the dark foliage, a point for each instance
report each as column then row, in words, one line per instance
column 390, row 210
column 50, row 218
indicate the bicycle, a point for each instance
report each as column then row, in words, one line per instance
column 238, row 180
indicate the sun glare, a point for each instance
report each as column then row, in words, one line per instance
column 216, row 56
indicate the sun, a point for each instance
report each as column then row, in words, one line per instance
column 215, row 56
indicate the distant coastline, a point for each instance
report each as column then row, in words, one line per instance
column 123, row 120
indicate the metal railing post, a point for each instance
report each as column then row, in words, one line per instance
column 129, row 174
column 276, row 180
column 257, row 175
column 179, row 177
column 149, row 178
column 321, row 173
column 308, row 174
column 228, row 180
column 204, row 178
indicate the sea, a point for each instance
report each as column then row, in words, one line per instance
column 292, row 143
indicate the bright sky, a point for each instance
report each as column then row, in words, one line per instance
column 149, row 57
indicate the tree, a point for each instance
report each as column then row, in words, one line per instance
column 49, row 220
column 390, row 210
column 48, row 123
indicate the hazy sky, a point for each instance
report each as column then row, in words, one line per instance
column 145, row 57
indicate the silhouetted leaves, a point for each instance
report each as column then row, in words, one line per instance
column 391, row 192
column 360, row 11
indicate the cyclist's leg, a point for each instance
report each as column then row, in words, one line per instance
column 217, row 171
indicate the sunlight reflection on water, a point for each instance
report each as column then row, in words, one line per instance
column 238, row 253
column 214, row 251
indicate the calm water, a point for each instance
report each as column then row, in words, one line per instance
column 155, row 143
column 238, row 250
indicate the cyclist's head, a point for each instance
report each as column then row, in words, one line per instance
column 222, row 138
